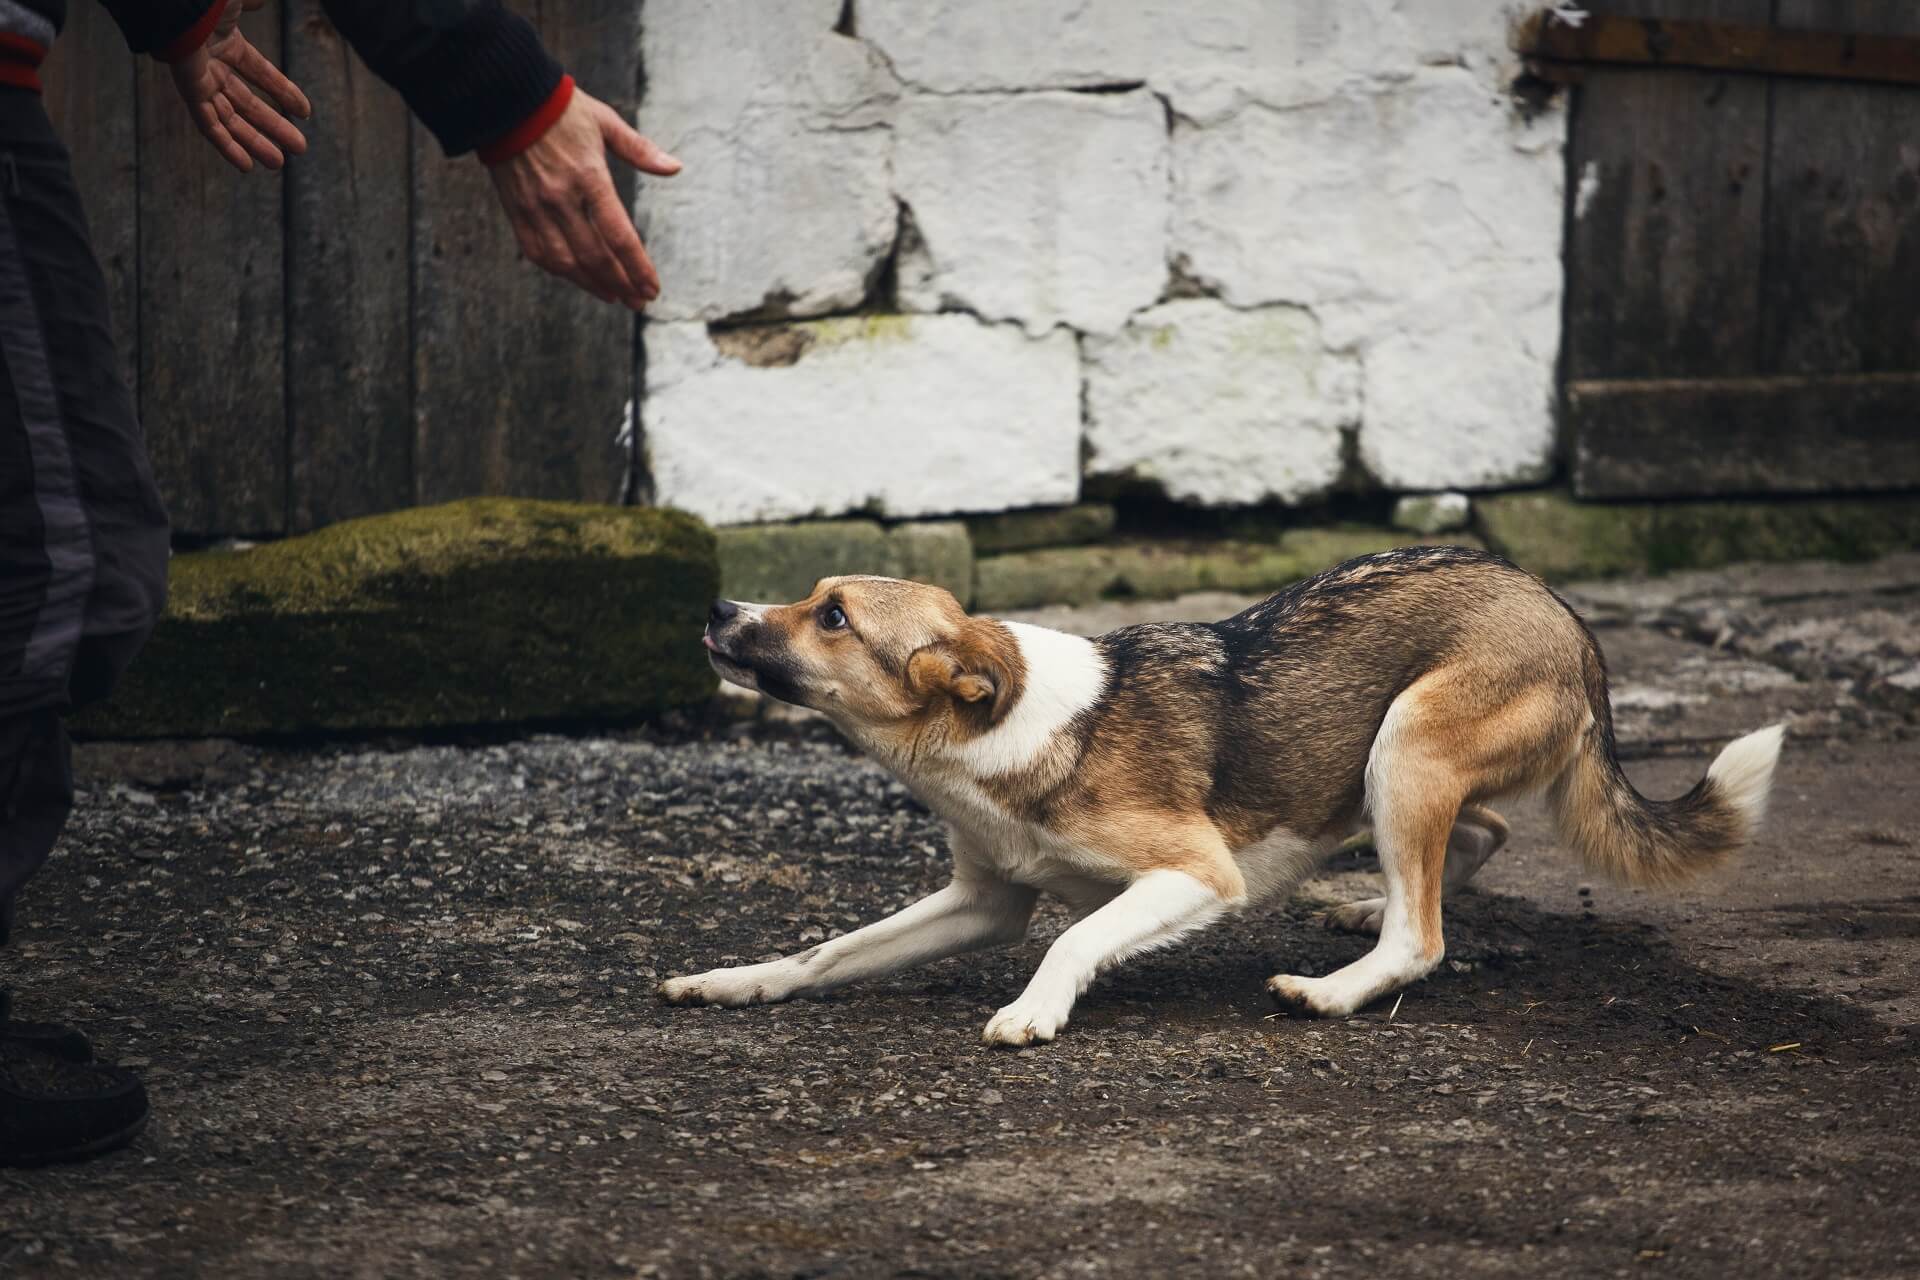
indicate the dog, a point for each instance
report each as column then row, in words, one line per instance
column 1159, row 777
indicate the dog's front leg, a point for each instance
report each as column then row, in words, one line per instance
column 1151, row 912
column 967, row 915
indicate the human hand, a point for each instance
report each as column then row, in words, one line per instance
column 559, row 197
column 222, row 82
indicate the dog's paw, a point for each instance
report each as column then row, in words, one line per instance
column 1023, row 1023
column 748, row 984
column 1304, row 997
column 1358, row 917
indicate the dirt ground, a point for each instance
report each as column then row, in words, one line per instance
column 395, row 1006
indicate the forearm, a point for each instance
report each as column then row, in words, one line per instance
column 471, row 70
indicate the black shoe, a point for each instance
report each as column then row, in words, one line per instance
column 47, row 1037
column 57, row 1106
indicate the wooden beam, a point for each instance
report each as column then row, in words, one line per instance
column 1558, row 51
column 1679, row 437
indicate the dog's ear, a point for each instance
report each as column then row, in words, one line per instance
column 980, row 669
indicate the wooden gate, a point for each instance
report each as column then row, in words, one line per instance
column 358, row 334
column 1743, row 251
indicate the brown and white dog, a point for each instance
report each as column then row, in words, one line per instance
column 1160, row 776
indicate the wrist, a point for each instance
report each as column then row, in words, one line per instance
column 532, row 129
column 190, row 41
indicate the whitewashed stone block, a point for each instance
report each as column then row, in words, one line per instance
column 1220, row 406
column 887, row 415
column 1046, row 208
column 1353, row 203
column 784, row 206
column 1459, row 393
column 1208, row 58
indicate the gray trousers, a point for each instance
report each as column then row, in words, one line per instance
column 83, row 537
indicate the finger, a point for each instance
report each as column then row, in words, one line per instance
column 554, row 254
column 246, row 135
column 632, row 146
column 265, row 118
column 269, row 79
column 590, row 251
column 616, row 231
column 207, row 120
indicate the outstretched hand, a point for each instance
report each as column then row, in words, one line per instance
column 237, row 98
column 560, row 198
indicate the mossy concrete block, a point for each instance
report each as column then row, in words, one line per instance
column 486, row 611
column 1553, row 535
column 936, row 551
column 1162, row 570
column 1044, row 527
column 779, row 563
column 1431, row 513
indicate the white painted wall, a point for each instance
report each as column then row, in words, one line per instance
column 1222, row 245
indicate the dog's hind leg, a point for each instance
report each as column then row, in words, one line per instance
column 1478, row 833
column 1456, row 732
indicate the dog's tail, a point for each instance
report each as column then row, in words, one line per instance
column 1638, row 841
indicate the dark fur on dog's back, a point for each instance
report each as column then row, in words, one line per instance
column 1283, row 703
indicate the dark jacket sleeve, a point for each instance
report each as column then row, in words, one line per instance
column 470, row 69
column 165, row 28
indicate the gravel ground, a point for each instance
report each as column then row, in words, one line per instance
column 395, row 1006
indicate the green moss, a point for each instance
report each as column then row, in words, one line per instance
column 865, row 328
column 1163, row 569
column 1044, row 527
column 1555, row 536
column 484, row 611
column 781, row 562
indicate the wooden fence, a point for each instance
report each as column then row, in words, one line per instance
column 358, row 333
column 1743, row 249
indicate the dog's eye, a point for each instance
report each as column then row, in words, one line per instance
column 833, row 618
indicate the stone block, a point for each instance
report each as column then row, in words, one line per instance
column 884, row 415
column 780, row 563
column 1220, row 406
column 488, row 611
column 1050, row 527
column 1045, row 208
column 784, row 207
column 1553, row 535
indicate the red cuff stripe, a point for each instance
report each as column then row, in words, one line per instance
column 20, row 76
column 530, row 130
column 17, row 48
column 194, row 36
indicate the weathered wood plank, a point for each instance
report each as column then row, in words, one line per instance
column 1755, row 13
column 519, row 379
column 212, row 319
column 1674, row 438
column 1663, row 251
column 1560, row 50
column 348, row 323
column 1665, row 245
column 89, row 79
column 1842, row 288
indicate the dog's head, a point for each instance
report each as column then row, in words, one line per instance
column 870, row 652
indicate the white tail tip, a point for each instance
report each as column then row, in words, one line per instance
column 1742, row 773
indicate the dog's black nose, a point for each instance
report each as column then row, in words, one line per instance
column 721, row 612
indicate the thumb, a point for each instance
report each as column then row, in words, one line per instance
column 627, row 143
